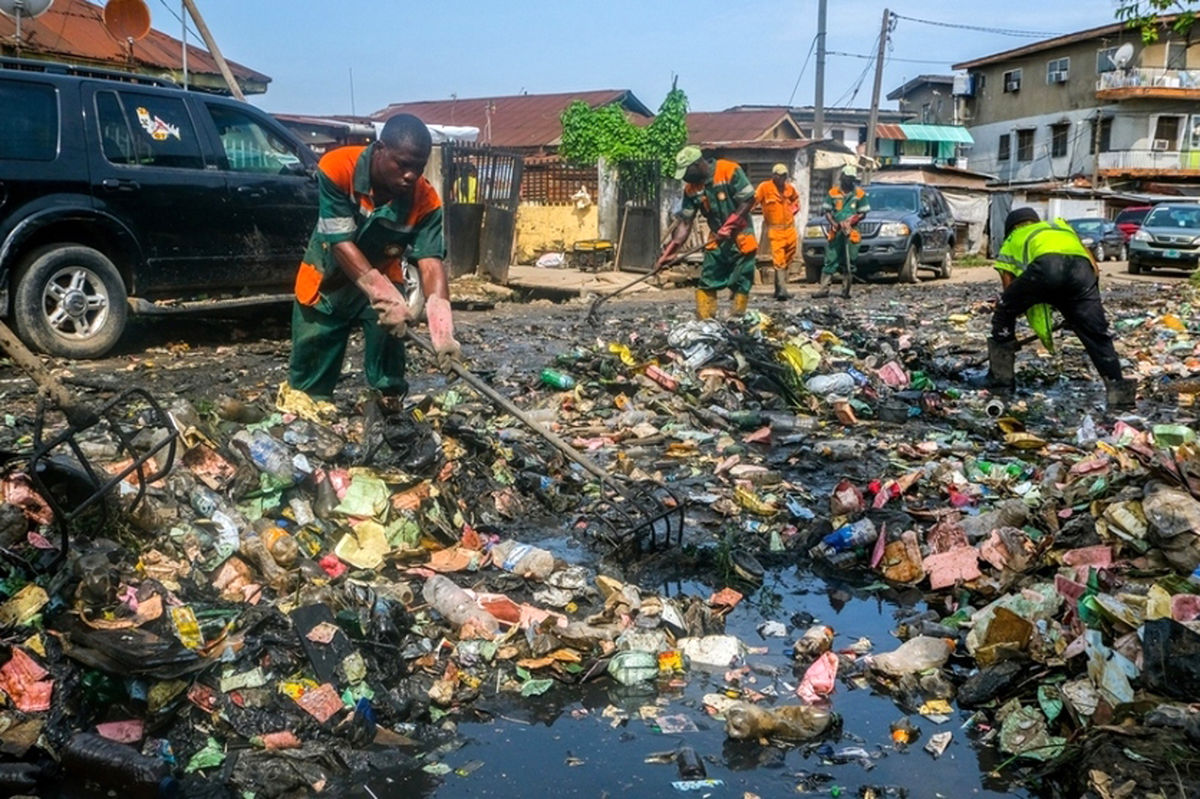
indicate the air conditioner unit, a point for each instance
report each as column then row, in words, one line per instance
column 1161, row 144
column 1058, row 76
column 1012, row 85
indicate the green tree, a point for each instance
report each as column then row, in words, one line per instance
column 1147, row 16
column 589, row 134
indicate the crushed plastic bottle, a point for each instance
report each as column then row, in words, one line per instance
column 847, row 537
column 523, row 560
column 791, row 722
column 456, row 606
column 553, row 378
column 816, row 640
column 840, row 383
column 119, row 767
column 266, row 453
column 914, row 655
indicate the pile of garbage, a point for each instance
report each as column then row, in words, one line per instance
column 317, row 592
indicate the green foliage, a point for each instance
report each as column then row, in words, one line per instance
column 1144, row 15
column 590, row 134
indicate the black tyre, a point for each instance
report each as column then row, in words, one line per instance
column 1134, row 268
column 812, row 273
column 1101, row 253
column 908, row 270
column 1122, row 254
column 947, row 266
column 69, row 301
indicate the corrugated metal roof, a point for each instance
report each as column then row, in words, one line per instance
column 73, row 31
column 952, row 133
column 886, row 130
column 1119, row 29
column 523, row 120
column 741, row 126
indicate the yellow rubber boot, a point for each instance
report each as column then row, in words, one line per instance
column 740, row 303
column 706, row 304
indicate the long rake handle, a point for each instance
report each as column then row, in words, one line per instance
column 503, row 402
column 601, row 300
column 29, row 363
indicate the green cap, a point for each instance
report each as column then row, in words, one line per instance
column 850, row 170
column 685, row 158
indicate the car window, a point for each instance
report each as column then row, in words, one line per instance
column 160, row 131
column 116, row 141
column 885, row 198
column 30, row 134
column 1132, row 216
column 249, row 145
column 1085, row 226
column 1174, row 217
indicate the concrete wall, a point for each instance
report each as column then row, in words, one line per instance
column 553, row 228
column 939, row 98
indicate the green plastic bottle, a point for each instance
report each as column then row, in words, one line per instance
column 556, row 379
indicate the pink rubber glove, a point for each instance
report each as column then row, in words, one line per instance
column 386, row 300
column 732, row 224
column 441, row 331
column 667, row 253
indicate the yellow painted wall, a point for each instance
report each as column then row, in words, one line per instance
column 552, row 228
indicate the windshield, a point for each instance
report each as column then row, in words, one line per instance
column 1173, row 217
column 1132, row 216
column 896, row 198
column 1086, row 225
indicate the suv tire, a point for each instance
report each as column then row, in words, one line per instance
column 908, row 270
column 1134, row 268
column 812, row 273
column 70, row 301
column 947, row 267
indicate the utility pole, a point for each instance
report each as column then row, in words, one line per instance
column 1097, row 124
column 211, row 44
column 819, row 93
column 873, row 117
column 183, row 40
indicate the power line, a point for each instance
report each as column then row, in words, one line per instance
column 852, row 92
column 981, row 28
column 180, row 20
column 869, row 57
column 800, row 77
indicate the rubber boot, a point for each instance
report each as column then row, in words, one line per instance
column 706, row 304
column 826, row 282
column 1120, row 395
column 1002, row 364
column 781, row 292
column 740, row 303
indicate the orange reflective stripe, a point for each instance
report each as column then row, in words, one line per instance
column 425, row 201
column 746, row 243
column 308, row 284
column 338, row 165
column 723, row 171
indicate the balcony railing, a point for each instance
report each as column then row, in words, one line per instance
column 1150, row 160
column 1148, row 82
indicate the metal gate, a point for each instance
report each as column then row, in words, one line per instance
column 639, row 194
column 482, row 187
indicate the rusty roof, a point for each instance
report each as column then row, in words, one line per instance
column 521, row 120
column 741, row 126
column 73, row 31
column 887, row 130
column 1103, row 31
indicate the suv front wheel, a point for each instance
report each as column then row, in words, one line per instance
column 70, row 301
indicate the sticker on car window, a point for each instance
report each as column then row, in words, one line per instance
column 158, row 129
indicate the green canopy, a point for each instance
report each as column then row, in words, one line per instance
column 952, row 133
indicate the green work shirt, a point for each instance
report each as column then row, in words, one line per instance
column 843, row 206
column 716, row 199
column 347, row 212
column 1029, row 242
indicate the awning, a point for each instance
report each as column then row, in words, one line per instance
column 888, row 130
column 950, row 133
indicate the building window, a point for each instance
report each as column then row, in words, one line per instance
column 1012, row 80
column 1166, row 132
column 1025, row 145
column 1058, row 139
column 1105, row 136
column 838, row 134
column 1005, row 145
column 1104, row 60
column 1057, row 70
column 1176, row 55
column 926, row 113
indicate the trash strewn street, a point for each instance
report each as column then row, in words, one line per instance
column 890, row 582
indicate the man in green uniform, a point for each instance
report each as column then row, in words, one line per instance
column 720, row 191
column 374, row 203
column 845, row 205
column 1043, row 264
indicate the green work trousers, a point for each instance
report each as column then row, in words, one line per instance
column 319, row 336
column 834, row 251
column 726, row 267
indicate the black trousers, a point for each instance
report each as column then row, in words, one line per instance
column 1069, row 284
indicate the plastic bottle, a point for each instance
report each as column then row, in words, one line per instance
column 847, row 537
column 691, row 767
column 556, row 379
column 19, row 778
column 117, row 766
column 456, row 606
column 253, row 549
column 994, row 408
column 266, row 453
column 914, row 655
column 523, row 560
column 281, row 545
column 824, row 385
column 816, row 640
column 791, row 722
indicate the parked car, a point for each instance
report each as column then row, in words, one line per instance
column 1130, row 219
column 908, row 227
column 1102, row 237
column 120, row 193
column 1169, row 237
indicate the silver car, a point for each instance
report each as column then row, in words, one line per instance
column 1169, row 238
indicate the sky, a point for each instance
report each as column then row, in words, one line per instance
column 723, row 53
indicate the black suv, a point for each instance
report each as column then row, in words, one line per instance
column 123, row 194
column 909, row 226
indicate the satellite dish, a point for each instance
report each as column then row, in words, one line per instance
column 27, row 9
column 1123, row 55
column 20, row 9
column 127, row 20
